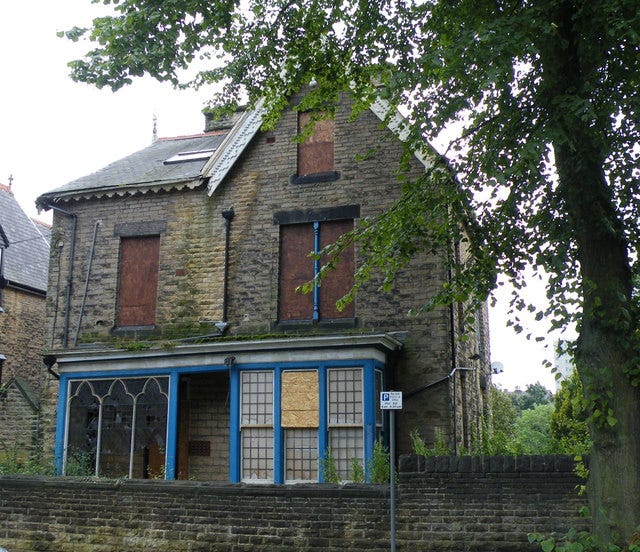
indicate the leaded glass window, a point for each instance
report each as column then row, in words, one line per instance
column 117, row 427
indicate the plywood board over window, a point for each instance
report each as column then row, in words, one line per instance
column 315, row 154
column 339, row 280
column 299, row 403
column 296, row 269
column 138, row 280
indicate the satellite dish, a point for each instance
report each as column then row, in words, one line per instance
column 497, row 367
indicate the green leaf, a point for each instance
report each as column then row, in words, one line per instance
column 547, row 545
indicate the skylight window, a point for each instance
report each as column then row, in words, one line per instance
column 194, row 155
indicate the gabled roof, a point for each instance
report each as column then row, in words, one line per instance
column 26, row 259
column 147, row 170
column 142, row 171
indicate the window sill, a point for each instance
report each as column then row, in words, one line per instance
column 134, row 331
column 320, row 324
column 330, row 176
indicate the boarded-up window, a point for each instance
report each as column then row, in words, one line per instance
column 315, row 154
column 138, row 281
column 299, row 402
column 297, row 268
column 339, row 280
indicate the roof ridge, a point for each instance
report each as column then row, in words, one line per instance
column 41, row 223
column 188, row 136
column 6, row 188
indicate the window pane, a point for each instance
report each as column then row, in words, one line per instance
column 138, row 281
column 345, row 396
column 115, row 437
column 257, row 453
column 257, row 398
column 151, row 432
column 346, row 443
column 377, row 398
column 301, row 454
column 82, row 432
column 257, row 410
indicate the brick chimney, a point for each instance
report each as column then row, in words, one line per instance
column 221, row 123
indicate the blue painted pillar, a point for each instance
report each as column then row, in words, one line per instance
column 172, row 426
column 234, row 424
column 63, row 391
column 369, row 396
column 278, row 431
column 322, row 419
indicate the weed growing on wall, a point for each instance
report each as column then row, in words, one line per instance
column 79, row 463
column 419, row 447
column 357, row 471
column 16, row 462
column 328, row 465
column 380, row 464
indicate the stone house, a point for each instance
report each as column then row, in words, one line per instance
column 24, row 260
column 182, row 346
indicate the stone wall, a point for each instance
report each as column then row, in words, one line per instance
column 24, row 376
column 209, row 427
column 22, row 337
column 19, row 421
column 444, row 504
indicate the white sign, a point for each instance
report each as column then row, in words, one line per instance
column 391, row 400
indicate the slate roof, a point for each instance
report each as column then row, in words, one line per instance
column 142, row 171
column 146, row 170
column 26, row 259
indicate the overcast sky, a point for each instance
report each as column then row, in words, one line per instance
column 53, row 130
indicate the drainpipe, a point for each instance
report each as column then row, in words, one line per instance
column 454, row 353
column 67, row 313
column 228, row 215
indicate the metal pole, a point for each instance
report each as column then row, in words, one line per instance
column 392, row 479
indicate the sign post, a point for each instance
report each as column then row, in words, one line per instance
column 392, row 401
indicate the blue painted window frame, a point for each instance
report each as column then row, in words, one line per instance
column 370, row 404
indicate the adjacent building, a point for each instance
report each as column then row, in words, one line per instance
column 183, row 346
column 24, row 259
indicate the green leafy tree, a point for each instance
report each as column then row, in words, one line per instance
column 533, row 432
column 504, row 413
column 499, row 432
column 533, row 395
column 546, row 96
column 569, row 418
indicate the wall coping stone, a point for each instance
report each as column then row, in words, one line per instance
column 548, row 463
column 304, row 490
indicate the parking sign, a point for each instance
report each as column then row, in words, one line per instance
column 391, row 400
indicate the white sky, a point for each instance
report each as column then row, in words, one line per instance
column 53, row 130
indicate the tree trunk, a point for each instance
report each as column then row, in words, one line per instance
column 607, row 333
